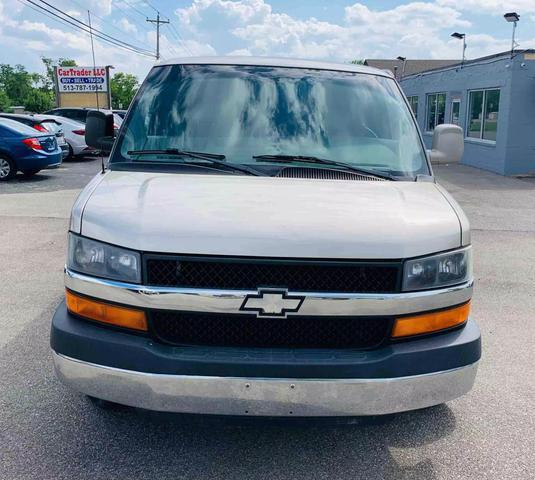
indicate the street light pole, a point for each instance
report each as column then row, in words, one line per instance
column 461, row 36
column 513, row 18
column 513, row 40
column 404, row 60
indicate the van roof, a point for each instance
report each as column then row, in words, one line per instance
column 275, row 62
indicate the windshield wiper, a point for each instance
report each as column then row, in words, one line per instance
column 213, row 158
column 321, row 161
column 178, row 152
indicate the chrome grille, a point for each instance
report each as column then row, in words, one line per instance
column 294, row 275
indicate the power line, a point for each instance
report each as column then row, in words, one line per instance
column 135, row 8
column 109, row 40
column 134, row 19
column 40, row 12
column 146, row 2
column 173, row 50
column 104, row 20
column 93, row 30
column 174, row 31
column 177, row 35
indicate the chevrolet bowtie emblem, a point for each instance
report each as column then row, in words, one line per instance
column 271, row 302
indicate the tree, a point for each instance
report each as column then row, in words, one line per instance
column 48, row 79
column 39, row 101
column 123, row 88
column 357, row 62
column 16, row 83
column 32, row 90
column 5, row 103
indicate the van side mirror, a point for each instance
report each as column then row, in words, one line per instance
column 448, row 144
column 99, row 131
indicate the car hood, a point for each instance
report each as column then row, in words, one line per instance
column 269, row 217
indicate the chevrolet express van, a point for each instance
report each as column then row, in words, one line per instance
column 268, row 239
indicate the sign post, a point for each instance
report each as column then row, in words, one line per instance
column 80, row 86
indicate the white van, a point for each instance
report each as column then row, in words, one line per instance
column 268, row 239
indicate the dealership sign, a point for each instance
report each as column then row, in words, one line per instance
column 82, row 79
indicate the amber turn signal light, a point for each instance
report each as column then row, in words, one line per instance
column 106, row 313
column 431, row 322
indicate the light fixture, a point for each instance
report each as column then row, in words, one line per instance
column 512, row 17
column 461, row 36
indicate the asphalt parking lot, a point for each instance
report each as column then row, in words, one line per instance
column 49, row 432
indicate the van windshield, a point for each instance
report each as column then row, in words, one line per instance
column 243, row 112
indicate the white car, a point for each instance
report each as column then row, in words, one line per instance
column 74, row 132
column 268, row 239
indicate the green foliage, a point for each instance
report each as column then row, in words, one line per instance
column 40, row 101
column 5, row 103
column 123, row 88
column 32, row 90
column 48, row 78
column 16, row 83
column 357, row 62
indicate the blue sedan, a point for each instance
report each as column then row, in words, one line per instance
column 24, row 149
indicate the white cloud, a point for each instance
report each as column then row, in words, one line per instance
column 126, row 26
column 171, row 47
column 53, row 36
column 495, row 7
column 240, row 52
column 37, row 45
column 409, row 16
column 411, row 29
column 239, row 12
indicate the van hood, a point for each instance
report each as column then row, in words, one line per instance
column 269, row 217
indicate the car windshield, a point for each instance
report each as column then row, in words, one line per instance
column 245, row 111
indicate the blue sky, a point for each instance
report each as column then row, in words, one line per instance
column 339, row 30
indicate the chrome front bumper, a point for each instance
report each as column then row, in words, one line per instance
column 230, row 301
column 264, row 396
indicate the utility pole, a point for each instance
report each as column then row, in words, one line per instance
column 157, row 22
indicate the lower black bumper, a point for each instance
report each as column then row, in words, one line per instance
column 88, row 342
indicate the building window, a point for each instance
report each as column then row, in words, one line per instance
column 455, row 111
column 436, row 107
column 413, row 102
column 483, row 114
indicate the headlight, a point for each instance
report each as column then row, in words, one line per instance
column 102, row 260
column 436, row 271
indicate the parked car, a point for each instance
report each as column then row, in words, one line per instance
column 269, row 239
column 25, row 149
column 80, row 114
column 74, row 132
column 42, row 124
column 121, row 113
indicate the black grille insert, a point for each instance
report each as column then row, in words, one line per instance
column 226, row 330
column 249, row 274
